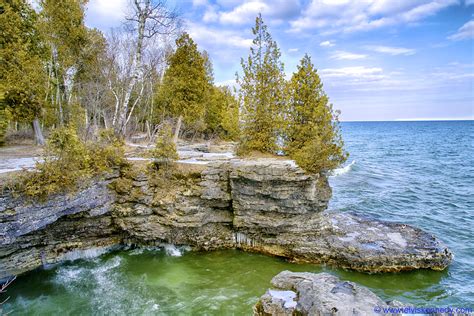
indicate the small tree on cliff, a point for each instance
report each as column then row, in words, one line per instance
column 313, row 136
column 165, row 149
column 261, row 93
column 185, row 83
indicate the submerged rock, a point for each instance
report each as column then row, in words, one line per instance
column 264, row 205
column 301, row 293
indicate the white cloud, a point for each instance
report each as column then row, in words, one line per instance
column 248, row 10
column 217, row 37
column 355, row 74
column 342, row 55
column 105, row 14
column 244, row 13
column 328, row 43
column 391, row 50
column 465, row 32
column 198, row 3
column 350, row 16
column 231, row 83
column 293, row 50
column 210, row 15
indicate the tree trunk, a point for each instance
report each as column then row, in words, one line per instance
column 177, row 129
column 38, row 133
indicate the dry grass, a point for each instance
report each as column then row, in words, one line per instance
column 257, row 154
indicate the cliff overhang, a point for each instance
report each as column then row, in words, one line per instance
column 263, row 205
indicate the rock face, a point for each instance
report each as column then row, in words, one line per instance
column 317, row 295
column 266, row 205
column 19, row 217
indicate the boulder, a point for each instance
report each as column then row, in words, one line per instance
column 302, row 293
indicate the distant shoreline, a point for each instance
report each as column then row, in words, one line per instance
column 408, row 120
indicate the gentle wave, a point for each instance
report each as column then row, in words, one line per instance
column 343, row 170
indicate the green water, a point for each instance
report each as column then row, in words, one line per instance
column 419, row 173
column 152, row 282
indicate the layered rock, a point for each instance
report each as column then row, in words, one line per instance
column 318, row 294
column 19, row 216
column 265, row 205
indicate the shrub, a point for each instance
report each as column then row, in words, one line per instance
column 68, row 161
column 165, row 149
column 107, row 152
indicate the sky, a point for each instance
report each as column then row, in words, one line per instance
column 378, row 59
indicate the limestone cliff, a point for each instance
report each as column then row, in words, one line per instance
column 264, row 205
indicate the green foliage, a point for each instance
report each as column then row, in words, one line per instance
column 313, row 137
column 3, row 125
column 222, row 114
column 22, row 75
column 68, row 162
column 107, row 152
column 63, row 30
column 261, row 93
column 63, row 26
column 165, row 149
column 5, row 117
column 185, row 83
column 22, row 104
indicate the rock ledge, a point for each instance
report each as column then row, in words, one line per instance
column 318, row 294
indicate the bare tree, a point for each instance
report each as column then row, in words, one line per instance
column 147, row 21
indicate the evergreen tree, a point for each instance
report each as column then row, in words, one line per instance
column 313, row 136
column 22, row 76
column 261, row 93
column 185, row 83
column 63, row 29
column 165, row 149
column 4, row 120
column 222, row 113
column 208, row 66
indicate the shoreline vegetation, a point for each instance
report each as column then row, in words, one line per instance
column 82, row 95
column 74, row 82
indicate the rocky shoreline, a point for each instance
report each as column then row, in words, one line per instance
column 262, row 205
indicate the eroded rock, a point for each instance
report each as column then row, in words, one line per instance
column 19, row 216
column 264, row 205
column 301, row 293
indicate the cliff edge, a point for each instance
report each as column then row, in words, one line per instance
column 264, row 205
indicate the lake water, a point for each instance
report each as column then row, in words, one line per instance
column 420, row 173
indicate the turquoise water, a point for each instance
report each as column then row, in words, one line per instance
column 421, row 173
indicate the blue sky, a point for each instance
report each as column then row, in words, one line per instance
column 379, row 59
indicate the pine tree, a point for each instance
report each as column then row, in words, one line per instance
column 261, row 93
column 313, row 136
column 185, row 83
